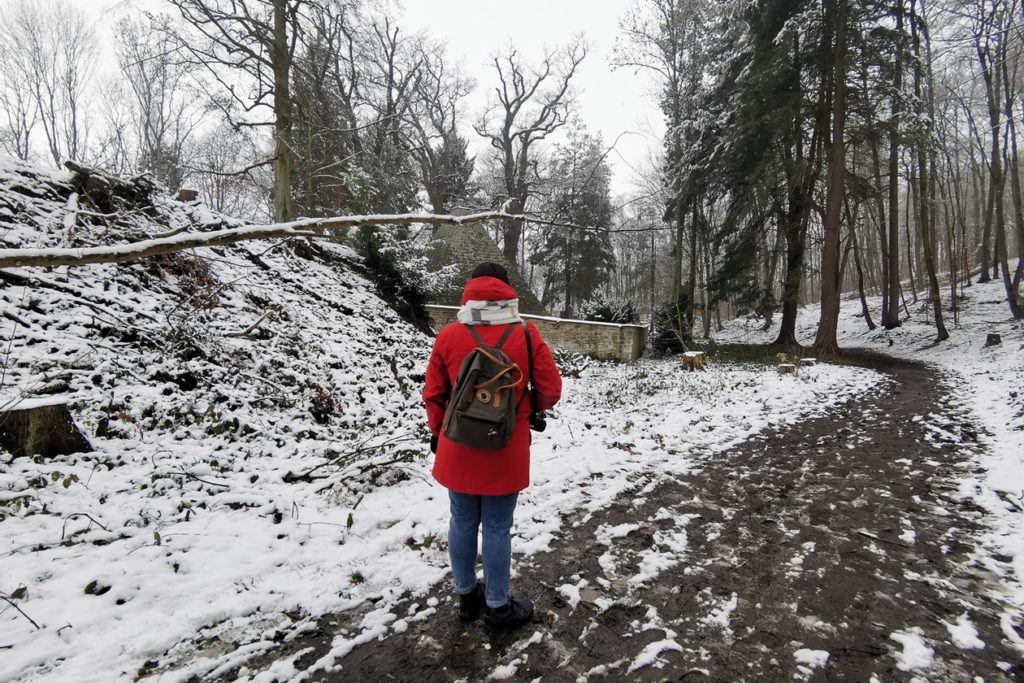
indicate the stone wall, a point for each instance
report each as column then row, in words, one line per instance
column 604, row 341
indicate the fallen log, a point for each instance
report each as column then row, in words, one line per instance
column 42, row 427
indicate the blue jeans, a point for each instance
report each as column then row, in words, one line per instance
column 495, row 512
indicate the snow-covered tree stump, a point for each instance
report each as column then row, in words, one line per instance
column 787, row 369
column 41, row 427
column 808, row 361
column 693, row 360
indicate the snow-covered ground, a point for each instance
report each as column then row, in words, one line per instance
column 989, row 381
column 247, row 574
column 247, row 479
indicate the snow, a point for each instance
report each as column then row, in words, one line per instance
column 20, row 403
column 720, row 613
column 915, row 653
column 963, row 634
column 815, row 659
column 649, row 655
column 571, row 592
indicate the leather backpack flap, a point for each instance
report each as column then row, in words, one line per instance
column 482, row 412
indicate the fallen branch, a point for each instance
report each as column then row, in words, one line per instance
column 1011, row 500
column 323, row 228
column 73, row 515
column 874, row 537
column 310, row 227
column 247, row 331
column 21, row 611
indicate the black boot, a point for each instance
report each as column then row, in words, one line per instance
column 472, row 602
column 515, row 613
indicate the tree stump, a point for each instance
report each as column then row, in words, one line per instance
column 787, row 369
column 808, row 361
column 693, row 360
column 993, row 339
column 187, row 194
column 41, row 427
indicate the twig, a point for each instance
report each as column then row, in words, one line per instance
column 79, row 514
column 245, row 333
column 195, row 478
column 21, row 611
column 873, row 537
column 1011, row 500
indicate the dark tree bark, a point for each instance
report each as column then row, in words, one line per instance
column 891, row 315
column 826, row 342
column 45, row 430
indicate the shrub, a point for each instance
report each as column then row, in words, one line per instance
column 385, row 254
column 670, row 333
column 604, row 310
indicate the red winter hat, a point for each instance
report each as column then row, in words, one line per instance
column 487, row 289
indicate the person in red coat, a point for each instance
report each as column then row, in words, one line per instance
column 484, row 484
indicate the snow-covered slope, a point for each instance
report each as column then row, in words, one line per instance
column 988, row 380
column 227, row 455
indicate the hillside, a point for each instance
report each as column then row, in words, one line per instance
column 223, row 390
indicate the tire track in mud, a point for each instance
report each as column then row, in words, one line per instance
column 826, row 536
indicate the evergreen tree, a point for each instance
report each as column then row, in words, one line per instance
column 577, row 261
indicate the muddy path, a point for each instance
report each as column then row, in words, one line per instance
column 827, row 536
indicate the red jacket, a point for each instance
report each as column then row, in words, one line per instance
column 477, row 471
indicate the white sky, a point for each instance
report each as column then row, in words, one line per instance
column 609, row 101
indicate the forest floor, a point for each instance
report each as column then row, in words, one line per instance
column 836, row 548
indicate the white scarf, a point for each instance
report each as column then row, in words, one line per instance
column 477, row 312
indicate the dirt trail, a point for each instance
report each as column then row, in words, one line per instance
column 829, row 535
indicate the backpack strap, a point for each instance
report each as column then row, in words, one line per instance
column 480, row 342
column 529, row 355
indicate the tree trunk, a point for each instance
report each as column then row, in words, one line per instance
column 860, row 280
column 826, row 342
column 44, row 428
column 912, row 208
column 282, row 167
column 691, row 281
column 768, row 298
column 677, row 262
column 793, row 230
column 923, row 94
column 891, row 315
column 1015, row 189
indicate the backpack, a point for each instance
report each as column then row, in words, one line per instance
column 481, row 412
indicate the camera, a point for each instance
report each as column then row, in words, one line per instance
column 538, row 421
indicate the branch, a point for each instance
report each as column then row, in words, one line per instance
column 247, row 331
column 20, row 611
column 326, row 228
column 308, row 227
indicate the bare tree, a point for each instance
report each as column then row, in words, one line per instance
column 115, row 148
column 50, row 47
column 437, row 147
column 255, row 40
column 165, row 113
column 531, row 103
column 229, row 175
column 16, row 95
